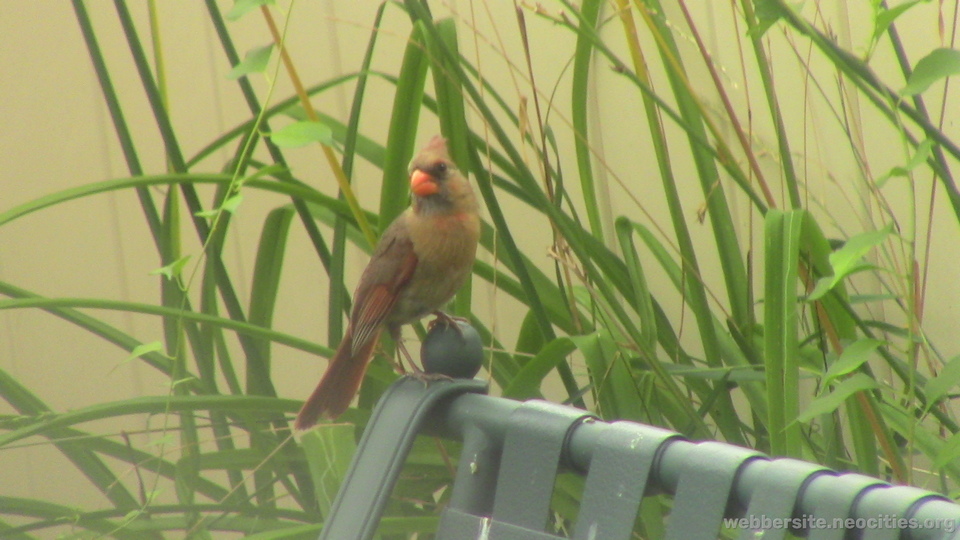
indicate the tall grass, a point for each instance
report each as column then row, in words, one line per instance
column 720, row 293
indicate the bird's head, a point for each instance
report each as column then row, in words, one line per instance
column 435, row 181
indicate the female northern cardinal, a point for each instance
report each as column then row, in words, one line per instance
column 419, row 263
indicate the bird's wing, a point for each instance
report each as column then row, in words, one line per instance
column 389, row 270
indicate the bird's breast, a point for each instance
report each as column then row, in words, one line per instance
column 446, row 247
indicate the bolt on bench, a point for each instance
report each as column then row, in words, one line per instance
column 512, row 452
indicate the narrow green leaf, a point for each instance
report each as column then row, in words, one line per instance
column 404, row 121
column 276, row 170
column 863, row 438
column 853, row 356
column 949, row 453
column 443, row 53
column 526, row 383
column 848, row 256
column 923, row 153
column 767, row 12
column 849, row 259
column 353, row 144
column 83, row 456
column 831, row 401
column 946, row 380
column 329, row 449
column 930, row 443
column 242, row 7
column 60, row 514
column 302, row 133
column 703, row 155
column 179, row 383
column 255, row 61
column 782, row 234
column 263, row 294
column 295, row 532
column 140, row 350
column 230, row 205
column 616, row 393
column 121, row 127
column 580, row 97
column 642, row 300
column 151, row 405
column 939, row 64
column 530, row 339
column 57, row 305
column 172, row 270
column 817, row 251
column 885, row 16
column 236, row 458
column 668, row 338
column 740, row 374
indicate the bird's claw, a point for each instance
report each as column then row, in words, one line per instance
column 427, row 378
column 447, row 320
column 398, row 362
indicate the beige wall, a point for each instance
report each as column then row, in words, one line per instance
column 56, row 134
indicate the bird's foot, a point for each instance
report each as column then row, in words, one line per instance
column 447, row 320
column 394, row 360
column 406, row 354
column 398, row 365
column 427, row 378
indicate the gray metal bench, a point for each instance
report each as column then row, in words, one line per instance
column 512, row 452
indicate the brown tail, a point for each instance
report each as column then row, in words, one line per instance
column 338, row 385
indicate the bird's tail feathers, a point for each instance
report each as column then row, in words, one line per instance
column 338, row 385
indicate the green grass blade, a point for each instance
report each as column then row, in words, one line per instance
column 589, row 14
column 151, row 405
column 880, row 95
column 94, row 326
column 452, row 114
column 338, row 297
column 172, row 298
column 177, row 163
column 402, row 134
column 695, row 293
column 728, row 244
column 153, row 94
column 263, row 292
column 782, row 244
column 57, row 305
column 263, row 295
column 484, row 185
column 614, row 386
column 931, row 444
column 86, row 461
column 668, row 337
column 641, row 297
column 329, row 450
column 449, row 93
column 785, row 156
column 116, row 114
column 862, row 439
column 526, row 383
column 259, row 121
column 45, row 510
column 290, row 189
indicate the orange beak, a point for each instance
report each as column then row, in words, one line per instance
column 422, row 184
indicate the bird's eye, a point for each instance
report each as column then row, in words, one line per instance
column 440, row 168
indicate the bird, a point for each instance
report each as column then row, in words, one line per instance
column 419, row 263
